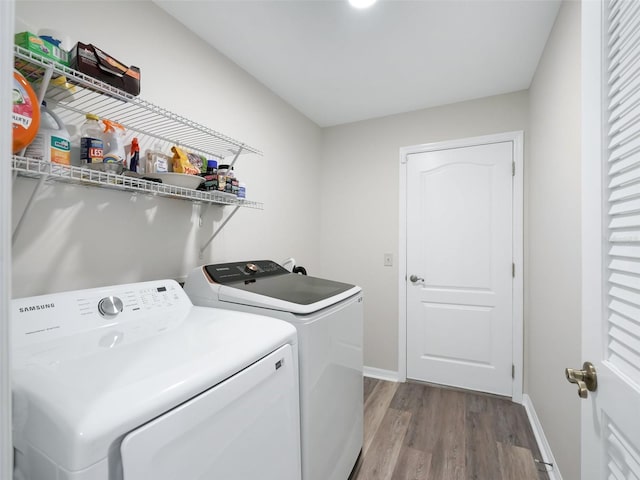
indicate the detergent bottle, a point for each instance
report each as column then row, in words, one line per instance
column 52, row 143
column 91, row 144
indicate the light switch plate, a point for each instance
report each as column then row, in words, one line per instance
column 388, row 259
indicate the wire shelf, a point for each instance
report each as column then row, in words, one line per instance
column 78, row 94
column 29, row 167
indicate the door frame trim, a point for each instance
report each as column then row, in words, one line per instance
column 7, row 19
column 517, row 137
column 592, row 216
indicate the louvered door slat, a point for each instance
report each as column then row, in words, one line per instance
column 625, row 118
column 625, row 251
column 621, row 112
column 625, row 177
column 623, row 323
column 622, row 265
column 624, row 222
column 627, row 341
column 628, row 191
column 625, row 236
column 625, row 295
column 620, row 93
column 629, row 206
column 622, row 165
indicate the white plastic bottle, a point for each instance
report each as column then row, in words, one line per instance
column 91, row 143
column 52, row 143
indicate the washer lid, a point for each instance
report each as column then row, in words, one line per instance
column 75, row 394
column 263, row 283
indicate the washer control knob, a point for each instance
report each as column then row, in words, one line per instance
column 110, row 306
column 251, row 268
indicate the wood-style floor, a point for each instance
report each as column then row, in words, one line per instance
column 414, row 431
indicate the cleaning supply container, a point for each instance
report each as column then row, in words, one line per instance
column 53, row 142
column 25, row 118
column 91, row 142
column 113, row 138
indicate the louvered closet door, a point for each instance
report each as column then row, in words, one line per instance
column 611, row 249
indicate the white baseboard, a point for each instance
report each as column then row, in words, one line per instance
column 381, row 374
column 541, row 439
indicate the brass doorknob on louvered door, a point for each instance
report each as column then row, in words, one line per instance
column 586, row 379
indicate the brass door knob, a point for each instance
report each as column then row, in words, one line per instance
column 586, row 379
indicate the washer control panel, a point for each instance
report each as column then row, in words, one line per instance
column 242, row 271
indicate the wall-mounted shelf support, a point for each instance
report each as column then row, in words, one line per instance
column 27, row 207
column 46, row 78
column 203, row 212
column 235, row 157
column 217, row 231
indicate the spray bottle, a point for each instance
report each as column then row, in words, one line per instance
column 113, row 136
column 135, row 155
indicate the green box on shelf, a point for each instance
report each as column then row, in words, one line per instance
column 34, row 43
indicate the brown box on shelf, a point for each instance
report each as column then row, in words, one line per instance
column 92, row 61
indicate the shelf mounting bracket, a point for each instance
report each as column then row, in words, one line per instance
column 203, row 212
column 235, row 157
column 44, row 85
column 217, row 231
column 27, row 207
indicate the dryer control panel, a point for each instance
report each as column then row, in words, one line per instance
column 48, row 317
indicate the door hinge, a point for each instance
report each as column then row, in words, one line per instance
column 513, row 371
column 513, row 270
column 513, row 169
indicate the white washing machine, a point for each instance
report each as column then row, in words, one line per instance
column 133, row 382
column 328, row 316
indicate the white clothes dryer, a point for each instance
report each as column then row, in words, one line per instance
column 133, row 382
column 328, row 316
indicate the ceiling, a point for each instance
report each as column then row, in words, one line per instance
column 337, row 64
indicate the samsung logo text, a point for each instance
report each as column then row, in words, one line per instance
column 33, row 308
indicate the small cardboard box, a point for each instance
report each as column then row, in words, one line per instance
column 34, row 43
column 92, row 61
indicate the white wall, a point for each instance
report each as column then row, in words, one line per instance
column 79, row 237
column 553, row 245
column 359, row 188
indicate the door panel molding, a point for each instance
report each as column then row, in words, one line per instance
column 516, row 137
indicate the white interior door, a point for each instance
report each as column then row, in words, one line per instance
column 459, row 266
column 611, row 238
